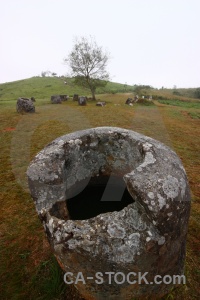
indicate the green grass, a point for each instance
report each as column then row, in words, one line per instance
column 194, row 115
column 38, row 87
column 44, row 87
column 50, row 276
column 181, row 103
column 28, row 269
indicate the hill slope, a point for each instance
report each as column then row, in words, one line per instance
column 44, row 87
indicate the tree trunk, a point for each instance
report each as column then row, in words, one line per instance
column 93, row 94
column 92, row 88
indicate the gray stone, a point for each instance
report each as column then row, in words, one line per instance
column 82, row 101
column 25, row 105
column 101, row 103
column 56, row 99
column 64, row 97
column 138, row 224
column 129, row 101
column 75, row 97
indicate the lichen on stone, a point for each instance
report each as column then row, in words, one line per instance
column 133, row 238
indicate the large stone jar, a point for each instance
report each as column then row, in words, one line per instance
column 113, row 200
column 25, row 105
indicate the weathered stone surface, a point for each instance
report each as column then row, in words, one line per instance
column 82, row 101
column 64, row 97
column 25, row 105
column 144, row 232
column 101, row 103
column 136, row 98
column 56, row 99
column 75, row 97
column 129, row 101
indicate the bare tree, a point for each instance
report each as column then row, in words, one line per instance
column 88, row 64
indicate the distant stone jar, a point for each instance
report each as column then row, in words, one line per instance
column 56, row 99
column 25, row 105
column 113, row 200
column 129, row 101
column 64, row 97
column 82, row 101
column 75, row 97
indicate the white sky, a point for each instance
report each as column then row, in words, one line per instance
column 154, row 42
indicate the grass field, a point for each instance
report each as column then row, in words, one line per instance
column 28, row 269
column 44, row 87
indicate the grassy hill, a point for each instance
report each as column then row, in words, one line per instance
column 44, row 87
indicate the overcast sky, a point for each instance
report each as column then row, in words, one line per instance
column 154, row 42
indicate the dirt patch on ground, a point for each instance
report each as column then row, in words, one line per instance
column 8, row 129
